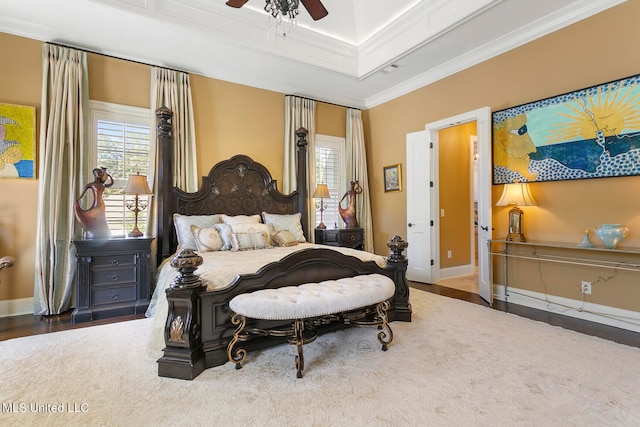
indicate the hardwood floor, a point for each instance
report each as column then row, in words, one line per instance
column 611, row 333
column 26, row 325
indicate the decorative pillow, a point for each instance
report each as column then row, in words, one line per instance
column 250, row 228
column 284, row 238
column 183, row 225
column 285, row 222
column 249, row 241
column 241, row 219
column 225, row 234
column 207, row 239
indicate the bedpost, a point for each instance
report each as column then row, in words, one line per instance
column 397, row 263
column 183, row 356
column 302, row 181
column 164, row 182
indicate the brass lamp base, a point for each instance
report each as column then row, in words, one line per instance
column 135, row 233
column 515, row 225
column 514, row 237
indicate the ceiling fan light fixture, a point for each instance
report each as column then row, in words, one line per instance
column 282, row 15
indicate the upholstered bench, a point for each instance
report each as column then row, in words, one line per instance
column 358, row 300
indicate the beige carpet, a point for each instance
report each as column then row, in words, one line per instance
column 457, row 364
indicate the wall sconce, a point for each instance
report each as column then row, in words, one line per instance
column 137, row 184
column 322, row 192
column 516, row 194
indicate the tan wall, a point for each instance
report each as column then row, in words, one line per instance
column 230, row 119
column 455, row 194
column 573, row 58
column 20, row 84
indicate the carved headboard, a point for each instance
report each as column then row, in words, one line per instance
column 237, row 186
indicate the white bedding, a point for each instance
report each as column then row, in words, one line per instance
column 218, row 271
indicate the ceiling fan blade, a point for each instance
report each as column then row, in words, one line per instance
column 315, row 8
column 236, row 3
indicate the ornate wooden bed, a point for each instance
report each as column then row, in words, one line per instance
column 198, row 327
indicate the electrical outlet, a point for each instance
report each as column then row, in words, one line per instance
column 586, row 287
column 449, row 254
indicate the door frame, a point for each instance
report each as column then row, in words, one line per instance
column 482, row 117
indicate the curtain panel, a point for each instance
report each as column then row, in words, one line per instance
column 357, row 170
column 62, row 158
column 172, row 89
column 299, row 112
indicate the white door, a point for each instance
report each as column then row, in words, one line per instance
column 482, row 117
column 483, row 120
column 419, row 252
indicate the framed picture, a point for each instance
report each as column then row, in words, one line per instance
column 392, row 178
column 589, row 133
column 17, row 141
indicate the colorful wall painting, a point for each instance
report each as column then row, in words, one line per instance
column 589, row 133
column 17, row 141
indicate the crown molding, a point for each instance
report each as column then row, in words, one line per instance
column 555, row 21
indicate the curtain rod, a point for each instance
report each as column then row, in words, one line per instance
column 114, row 57
column 325, row 102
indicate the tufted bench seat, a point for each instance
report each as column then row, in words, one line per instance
column 359, row 300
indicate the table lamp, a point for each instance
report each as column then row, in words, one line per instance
column 322, row 192
column 137, row 184
column 517, row 194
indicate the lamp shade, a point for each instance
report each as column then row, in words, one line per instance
column 137, row 184
column 322, row 192
column 516, row 194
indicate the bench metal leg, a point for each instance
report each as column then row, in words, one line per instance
column 239, row 355
column 384, row 338
column 298, row 330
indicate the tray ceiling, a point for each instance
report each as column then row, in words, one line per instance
column 365, row 52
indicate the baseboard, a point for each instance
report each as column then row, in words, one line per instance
column 457, row 271
column 604, row 314
column 16, row 307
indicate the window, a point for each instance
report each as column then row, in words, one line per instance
column 329, row 165
column 122, row 144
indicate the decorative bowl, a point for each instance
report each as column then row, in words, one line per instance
column 611, row 234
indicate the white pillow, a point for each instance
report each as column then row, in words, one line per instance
column 285, row 222
column 225, row 234
column 207, row 239
column 183, row 225
column 241, row 219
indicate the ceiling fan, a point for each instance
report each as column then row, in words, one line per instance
column 315, row 7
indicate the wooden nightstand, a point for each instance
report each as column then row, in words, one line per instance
column 347, row 237
column 112, row 279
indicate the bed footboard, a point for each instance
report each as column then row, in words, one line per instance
column 199, row 329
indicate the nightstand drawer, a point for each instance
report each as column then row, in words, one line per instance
column 113, row 276
column 330, row 236
column 114, row 260
column 114, row 294
column 349, row 238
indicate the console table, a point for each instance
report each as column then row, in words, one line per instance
column 627, row 258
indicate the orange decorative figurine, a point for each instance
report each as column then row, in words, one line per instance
column 94, row 219
column 348, row 214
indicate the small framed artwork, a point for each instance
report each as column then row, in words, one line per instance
column 17, row 141
column 392, row 178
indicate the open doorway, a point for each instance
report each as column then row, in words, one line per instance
column 458, row 200
column 423, row 202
